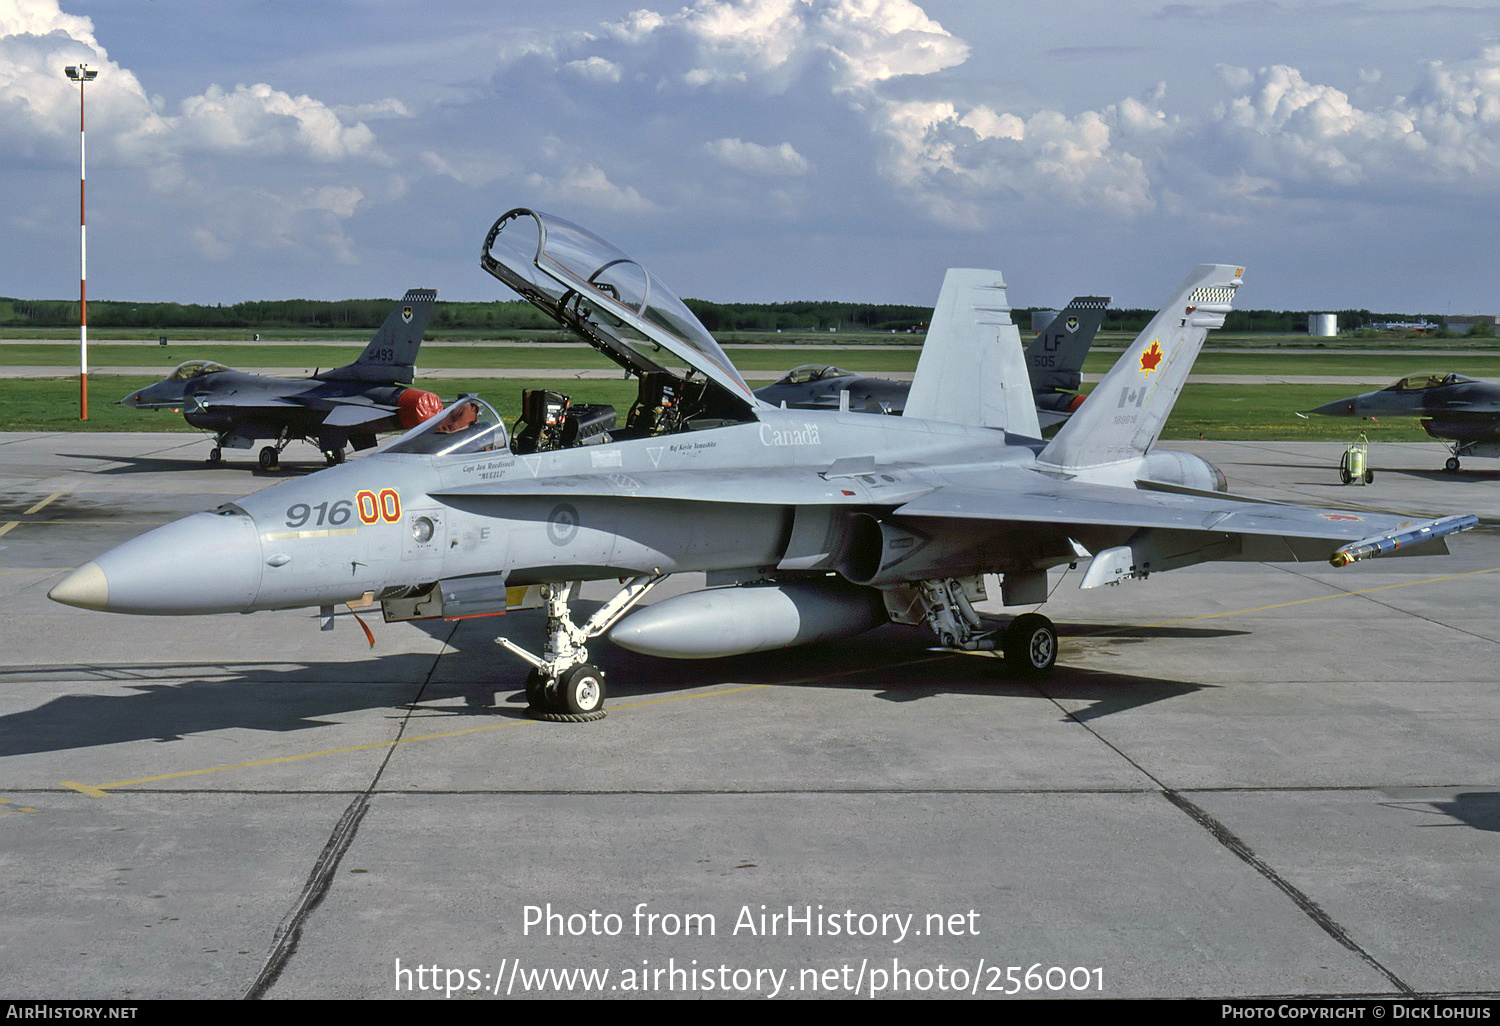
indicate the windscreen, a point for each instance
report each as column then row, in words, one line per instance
column 467, row 426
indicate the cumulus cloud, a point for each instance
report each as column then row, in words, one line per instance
column 588, row 186
column 753, row 158
column 1307, row 135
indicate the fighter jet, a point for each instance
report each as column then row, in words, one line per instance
column 1054, row 361
column 1463, row 412
column 332, row 409
column 809, row 525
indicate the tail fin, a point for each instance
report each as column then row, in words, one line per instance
column 1055, row 359
column 392, row 353
column 1124, row 414
column 972, row 370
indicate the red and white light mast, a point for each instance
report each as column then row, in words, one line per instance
column 82, row 73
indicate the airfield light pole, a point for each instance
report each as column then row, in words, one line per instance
column 82, row 73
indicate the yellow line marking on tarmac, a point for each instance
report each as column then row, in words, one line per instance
column 103, row 790
column 1324, row 598
column 92, row 792
column 17, row 810
column 44, row 502
column 6, row 527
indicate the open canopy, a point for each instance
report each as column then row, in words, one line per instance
column 609, row 299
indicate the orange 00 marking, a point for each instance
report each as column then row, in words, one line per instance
column 390, row 505
column 369, row 509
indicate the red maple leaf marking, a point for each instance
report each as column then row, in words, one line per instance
column 1151, row 357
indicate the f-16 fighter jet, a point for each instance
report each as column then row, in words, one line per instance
column 1054, row 361
column 812, row 524
column 1461, row 411
column 333, row 409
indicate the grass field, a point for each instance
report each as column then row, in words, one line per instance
column 1252, row 412
column 755, row 361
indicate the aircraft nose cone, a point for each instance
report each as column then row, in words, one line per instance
column 1338, row 408
column 205, row 563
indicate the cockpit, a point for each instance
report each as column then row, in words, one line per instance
column 195, row 369
column 685, row 380
column 807, row 373
column 1422, row 382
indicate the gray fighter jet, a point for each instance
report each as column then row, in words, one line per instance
column 1054, row 362
column 332, row 409
column 1460, row 411
column 809, row 524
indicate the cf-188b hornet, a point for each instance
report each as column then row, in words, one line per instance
column 1054, row 362
column 332, row 409
column 809, row 525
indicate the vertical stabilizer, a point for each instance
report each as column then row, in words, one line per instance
column 1055, row 358
column 392, row 353
column 1124, row 414
column 972, row 369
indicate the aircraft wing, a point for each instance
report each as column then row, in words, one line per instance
column 354, row 413
column 1164, row 530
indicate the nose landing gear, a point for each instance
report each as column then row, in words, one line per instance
column 562, row 685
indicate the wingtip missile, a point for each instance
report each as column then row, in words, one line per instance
column 1385, row 544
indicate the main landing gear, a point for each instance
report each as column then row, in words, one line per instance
column 562, row 685
column 1029, row 643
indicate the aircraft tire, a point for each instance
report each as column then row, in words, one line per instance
column 581, row 690
column 334, row 457
column 536, row 690
column 215, row 455
column 269, row 458
column 1030, row 645
column 1452, row 465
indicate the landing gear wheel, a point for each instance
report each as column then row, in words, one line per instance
column 581, row 689
column 269, row 458
column 333, row 456
column 215, row 456
column 1452, row 465
column 577, row 697
column 1030, row 645
column 536, row 690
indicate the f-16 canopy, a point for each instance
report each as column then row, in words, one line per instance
column 609, row 299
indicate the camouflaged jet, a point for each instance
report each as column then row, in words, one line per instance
column 1054, row 362
column 332, row 409
column 1461, row 411
column 809, row 525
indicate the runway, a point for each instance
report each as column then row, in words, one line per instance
column 1242, row 780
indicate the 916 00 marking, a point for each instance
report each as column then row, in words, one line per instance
column 372, row 507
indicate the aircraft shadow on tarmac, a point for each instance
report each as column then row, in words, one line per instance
column 153, row 464
column 1479, row 810
column 172, row 700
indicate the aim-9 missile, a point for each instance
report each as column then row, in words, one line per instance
column 1384, row 544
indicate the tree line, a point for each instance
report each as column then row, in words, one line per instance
column 499, row 315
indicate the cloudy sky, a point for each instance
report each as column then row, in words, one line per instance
column 1347, row 153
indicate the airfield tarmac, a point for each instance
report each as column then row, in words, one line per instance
column 1242, row 780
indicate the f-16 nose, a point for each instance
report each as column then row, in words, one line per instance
column 1338, row 408
column 205, row 563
